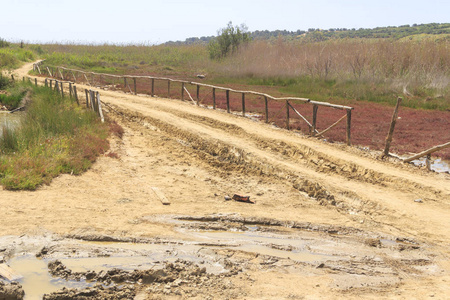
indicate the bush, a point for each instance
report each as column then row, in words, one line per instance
column 3, row 43
column 229, row 39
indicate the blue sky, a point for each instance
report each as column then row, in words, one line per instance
column 158, row 21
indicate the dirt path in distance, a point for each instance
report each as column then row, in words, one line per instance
column 362, row 213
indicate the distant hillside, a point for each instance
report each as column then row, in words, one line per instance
column 313, row 34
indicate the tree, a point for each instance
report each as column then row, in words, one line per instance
column 228, row 41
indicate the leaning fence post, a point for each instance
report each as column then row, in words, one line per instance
column 267, row 109
column 349, row 125
column 228, row 100
column 287, row 115
column 314, row 120
column 243, row 104
column 391, row 129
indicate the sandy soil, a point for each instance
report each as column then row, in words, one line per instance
column 196, row 156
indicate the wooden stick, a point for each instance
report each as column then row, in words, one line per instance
column 62, row 89
column 428, row 151
column 304, row 119
column 49, row 73
column 46, row 82
column 70, row 89
column 134, row 82
column 349, row 126
column 87, row 80
column 37, row 66
column 74, row 77
column 334, row 124
column 35, row 81
column 161, row 196
column 61, row 74
column 214, row 97
column 189, row 95
column 391, row 129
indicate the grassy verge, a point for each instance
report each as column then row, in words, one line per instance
column 55, row 137
column 14, row 93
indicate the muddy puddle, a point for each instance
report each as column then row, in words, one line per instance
column 437, row 165
column 212, row 247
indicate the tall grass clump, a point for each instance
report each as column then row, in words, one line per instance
column 54, row 137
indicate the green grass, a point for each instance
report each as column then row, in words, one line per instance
column 55, row 137
column 15, row 96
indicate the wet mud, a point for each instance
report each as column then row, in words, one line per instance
column 216, row 249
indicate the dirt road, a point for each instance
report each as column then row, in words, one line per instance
column 383, row 227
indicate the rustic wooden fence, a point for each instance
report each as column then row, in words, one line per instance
column 95, row 104
column 130, row 85
column 91, row 98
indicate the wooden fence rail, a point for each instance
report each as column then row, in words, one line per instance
column 63, row 74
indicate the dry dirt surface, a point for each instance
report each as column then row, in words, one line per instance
column 328, row 222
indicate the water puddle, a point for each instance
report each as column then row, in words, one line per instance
column 437, row 165
column 37, row 280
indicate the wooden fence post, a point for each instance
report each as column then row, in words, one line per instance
column 266, row 109
column 99, row 108
column 87, row 98
column 198, row 93
column 168, row 88
column 314, row 120
column 391, row 129
column 57, row 85
column 51, row 83
column 125, row 84
column 76, row 94
column 153, row 87
column 243, row 104
column 46, row 82
column 70, row 89
column 12, row 77
column 349, row 126
column 287, row 115
column 228, row 100
column 182, row 91
column 134, row 83
column 62, row 90
column 214, row 98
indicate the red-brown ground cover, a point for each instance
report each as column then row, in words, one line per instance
column 416, row 130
